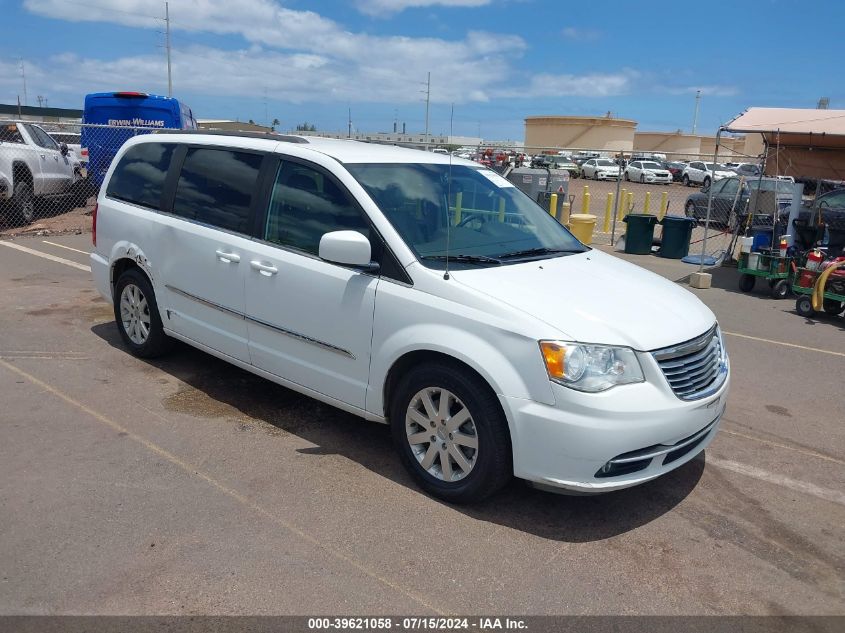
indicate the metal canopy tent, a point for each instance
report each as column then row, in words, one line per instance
column 810, row 144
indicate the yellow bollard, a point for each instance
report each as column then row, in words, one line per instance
column 501, row 210
column 459, row 197
column 585, row 200
column 630, row 204
column 647, row 202
column 564, row 214
column 664, row 204
column 553, row 205
column 623, row 195
column 608, row 210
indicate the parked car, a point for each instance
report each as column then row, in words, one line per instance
column 749, row 170
column 33, row 166
column 647, row 171
column 600, row 169
column 541, row 161
column 728, row 207
column 700, row 173
column 341, row 270
column 564, row 163
column 676, row 168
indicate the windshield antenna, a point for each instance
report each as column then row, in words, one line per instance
column 449, row 195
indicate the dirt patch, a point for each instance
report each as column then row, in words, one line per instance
column 75, row 222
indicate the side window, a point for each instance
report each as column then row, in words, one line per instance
column 42, row 138
column 9, row 133
column 216, row 186
column 717, row 187
column 730, row 187
column 835, row 200
column 305, row 205
column 139, row 176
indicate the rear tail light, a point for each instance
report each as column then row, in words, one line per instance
column 94, row 225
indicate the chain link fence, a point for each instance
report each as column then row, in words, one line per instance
column 50, row 173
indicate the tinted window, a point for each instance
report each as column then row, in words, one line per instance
column 216, row 186
column 730, row 187
column 42, row 138
column 835, row 200
column 139, row 177
column 305, row 205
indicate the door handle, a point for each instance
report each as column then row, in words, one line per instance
column 264, row 269
column 228, row 258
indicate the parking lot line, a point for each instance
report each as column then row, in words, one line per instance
column 75, row 250
column 195, row 471
column 785, row 344
column 803, row 451
column 52, row 258
column 834, row 496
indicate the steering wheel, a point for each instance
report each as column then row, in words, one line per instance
column 469, row 217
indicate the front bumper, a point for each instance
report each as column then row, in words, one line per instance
column 606, row 176
column 663, row 179
column 634, row 433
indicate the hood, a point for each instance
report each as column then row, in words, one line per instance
column 594, row 297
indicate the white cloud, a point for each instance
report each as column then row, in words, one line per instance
column 380, row 8
column 567, row 85
column 581, row 35
column 714, row 90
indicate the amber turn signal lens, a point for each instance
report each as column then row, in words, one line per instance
column 553, row 355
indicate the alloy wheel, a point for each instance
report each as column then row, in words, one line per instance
column 442, row 434
column 135, row 314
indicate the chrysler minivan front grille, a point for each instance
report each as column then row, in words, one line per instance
column 694, row 369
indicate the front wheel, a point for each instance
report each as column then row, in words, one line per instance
column 685, row 180
column 137, row 316
column 450, row 433
column 781, row 288
column 706, row 183
column 804, row 306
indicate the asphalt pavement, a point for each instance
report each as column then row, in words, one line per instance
column 186, row 486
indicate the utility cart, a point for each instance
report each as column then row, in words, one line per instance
column 834, row 291
column 769, row 265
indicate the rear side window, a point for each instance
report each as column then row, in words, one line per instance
column 139, row 177
column 216, row 187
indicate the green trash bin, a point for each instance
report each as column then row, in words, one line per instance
column 640, row 234
column 677, row 231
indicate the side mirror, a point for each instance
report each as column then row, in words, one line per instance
column 63, row 148
column 348, row 248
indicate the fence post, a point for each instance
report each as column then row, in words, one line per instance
column 553, row 205
column 608, row 210
column 647, row 202
column 664, row 203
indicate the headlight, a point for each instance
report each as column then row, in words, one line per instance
column 590, row 368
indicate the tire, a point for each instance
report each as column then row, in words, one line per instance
column 487, row 466
column 804, row 306
column 23, row 204
column 781, row 289
column 685, row 180
column 746, row 282
column 136, row 310
column 627, row 177
column 706, row 183
column 642, row 179
column 833, row 307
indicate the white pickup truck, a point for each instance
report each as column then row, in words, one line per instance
column 32, row 166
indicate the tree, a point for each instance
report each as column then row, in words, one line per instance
column 306, row 127
column 251, row 122
column 274, row 124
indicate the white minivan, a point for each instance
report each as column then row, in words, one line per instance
column 415, row 289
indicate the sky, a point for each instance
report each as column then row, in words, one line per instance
column 492, row 62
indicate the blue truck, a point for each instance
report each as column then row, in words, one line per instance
column 121, row 112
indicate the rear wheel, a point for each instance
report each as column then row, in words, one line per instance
column 706, row 183
column 746, row 282
column 137, row 317
column 23, row 204
column 804, row 306
column 831, row 306
column 451, row 433
column 780, row 290
column 642, row 179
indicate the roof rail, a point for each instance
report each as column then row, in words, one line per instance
column 270, row 136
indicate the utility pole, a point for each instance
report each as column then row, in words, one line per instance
column 23, row 76
column 695, row 116
column 427, row 101
column 349, row 124
column 167, row 47
column 40, row 100
column 266, row 115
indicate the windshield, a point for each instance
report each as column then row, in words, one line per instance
column 716, row 167
column 605, row 163
column 486, row 216
column 651, row 166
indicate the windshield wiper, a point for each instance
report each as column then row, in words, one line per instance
column 464, row 259
column 529, row 252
